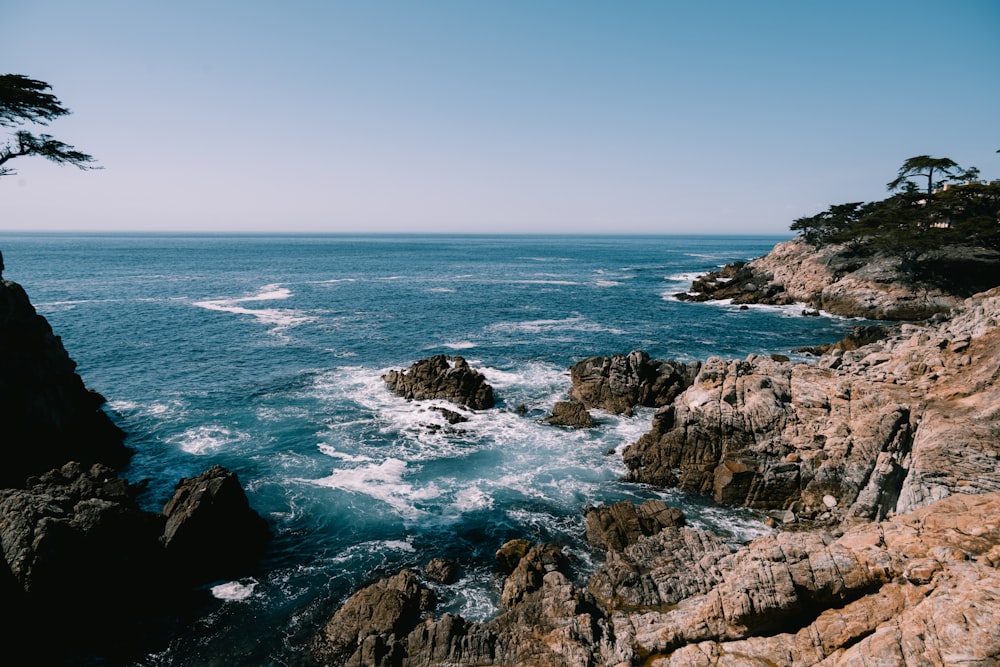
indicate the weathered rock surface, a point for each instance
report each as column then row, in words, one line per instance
column 570, row 413
column 47, row 415
column 621, row 524
column 887, row 427
column 547, row 621
column 623, row 381
column 917, row 589
column 835, row 279
column 442, row 378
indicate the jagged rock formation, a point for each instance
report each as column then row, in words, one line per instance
column 917, row 589
column 440, row 378
column 211, row 532
column 887, row 427
column 570, row 413
column 619, row 525
column 47, row 415
column 77, row 548
column 623, row 381
column 835, row 278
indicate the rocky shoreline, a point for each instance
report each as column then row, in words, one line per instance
column 878, row 463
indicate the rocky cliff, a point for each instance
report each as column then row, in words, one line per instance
column 47, row 415
column 887, row 427
column 86, row 575
column 841, row 280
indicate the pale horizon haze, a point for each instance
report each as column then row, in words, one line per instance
column 450, row 116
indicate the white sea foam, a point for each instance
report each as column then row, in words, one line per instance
column 688, row 277
column 207, row 439
column 332, row 452
column 382, row 481
column 441, row 290
column 471, row 499
column 541, row 281
column 607, row 283
column 277, row 318
column 234, row 591
column 578, row 323
column 460, row 345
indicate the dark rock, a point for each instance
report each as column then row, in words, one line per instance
column 620, row 382
column 47, row 415
column 441, row 570
column 439, row 378
column 211, row 531
column 367, row 630
column 450, row 416
column 76, row 550
column 570, row 413
column 510, row 554
column 617, row 526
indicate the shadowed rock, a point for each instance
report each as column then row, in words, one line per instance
column 47, row 416
column 211, row 531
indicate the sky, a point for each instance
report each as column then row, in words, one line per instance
column 489, row 116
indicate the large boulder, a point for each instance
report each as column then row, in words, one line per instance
column 441, row 377
column 620, row 382
column 367, row 629
column 78, row 549
column 621, row 524
column 47, row 416
column 570, row 413
column 211, row 531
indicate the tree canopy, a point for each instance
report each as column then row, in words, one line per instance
column 911, row 222
column 24, row 100
column 920, row 165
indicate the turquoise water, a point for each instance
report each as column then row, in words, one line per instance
column 265, row 353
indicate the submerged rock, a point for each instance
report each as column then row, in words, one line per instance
column 442, row 378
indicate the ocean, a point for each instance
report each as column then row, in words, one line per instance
column 264, row 353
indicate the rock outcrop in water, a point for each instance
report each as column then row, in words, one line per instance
column 839, row 280
column 442, row 378
column 86, row 574
column 621, row 382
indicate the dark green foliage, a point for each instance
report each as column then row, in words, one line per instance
column 24, row 100
column 924, row 165
column 910, row 223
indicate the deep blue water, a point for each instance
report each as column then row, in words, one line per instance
column 264, row 354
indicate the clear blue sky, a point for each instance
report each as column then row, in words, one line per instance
column 487, row 116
